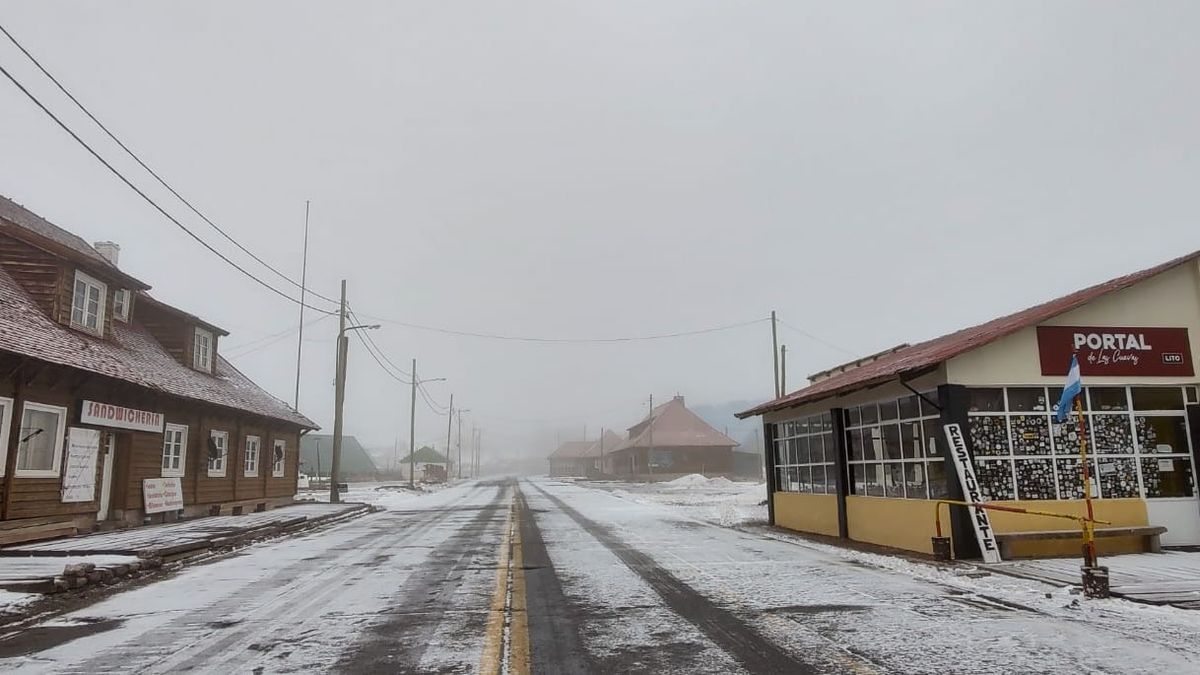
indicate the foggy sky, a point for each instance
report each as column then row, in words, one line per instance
column 877, row 172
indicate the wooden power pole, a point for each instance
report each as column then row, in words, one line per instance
column 775, row 349
column 339, row 399
column 449, row 424
column 412, row 427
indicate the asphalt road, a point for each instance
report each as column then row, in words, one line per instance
column 545, row 577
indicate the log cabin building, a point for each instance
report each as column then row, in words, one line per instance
column 583, row 458
column 670, row 442
column 117, row 407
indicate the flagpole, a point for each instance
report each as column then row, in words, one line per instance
column 1089, row 535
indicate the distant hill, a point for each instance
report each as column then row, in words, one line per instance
column 720, row 416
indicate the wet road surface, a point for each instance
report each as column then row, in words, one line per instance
column 547, row 577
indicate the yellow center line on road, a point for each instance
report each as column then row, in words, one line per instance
column 518, row 633
column 506, row 641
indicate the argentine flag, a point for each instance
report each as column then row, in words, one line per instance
column 1072, row 389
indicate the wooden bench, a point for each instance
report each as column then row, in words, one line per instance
column 1150, row 533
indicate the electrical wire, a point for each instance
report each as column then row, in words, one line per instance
column 368, row 338
column 816, row 339
column 268, row 340
column 152, row 172
column 516, row 338
column 150, row 201
column 376, row 358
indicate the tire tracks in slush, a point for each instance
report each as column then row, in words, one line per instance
column 753, row 651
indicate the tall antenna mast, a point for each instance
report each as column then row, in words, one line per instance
column 303, row 284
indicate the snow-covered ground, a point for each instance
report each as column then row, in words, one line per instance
column 716, row 500
column 386, row 494
column 880, row 611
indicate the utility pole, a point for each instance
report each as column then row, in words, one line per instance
column 412, row 427
column 339, row 398
column 775, row 349
column 460, row 414
column 303, row 282
column 449, row 424
column 601, row 450
column 783, row 370
column 650, row 454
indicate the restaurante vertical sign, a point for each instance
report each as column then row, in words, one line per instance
column 972, row 494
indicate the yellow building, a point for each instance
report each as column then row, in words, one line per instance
column 859, row 452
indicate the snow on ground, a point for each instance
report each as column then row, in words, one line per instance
column 11, row 603
column 884, row 608
column 385, row 494
column 715, row 500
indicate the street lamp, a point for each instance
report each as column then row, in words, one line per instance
column 339, row 396
column 460, row 415
column 412, row 424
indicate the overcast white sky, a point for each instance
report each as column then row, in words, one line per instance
column 876, row 172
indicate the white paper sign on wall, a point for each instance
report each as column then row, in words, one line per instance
column 79, row 474
column 972, row 494
column 162, row 494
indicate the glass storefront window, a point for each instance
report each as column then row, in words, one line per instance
column 1035, row 479
column 1157, row 398
column 1108, row 398
column 1030, row 434
column 986, row 400
column 1027, row 399
column 1161, row 435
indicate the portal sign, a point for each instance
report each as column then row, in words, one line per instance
column 1116, row 351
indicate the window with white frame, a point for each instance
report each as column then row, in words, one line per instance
column 202, row 348
column 218, row 452
column 40, row 440
column 1137, row 443
column 87, row 303
column 174, row 450
column 253, row 444
column 805, row 455
column 278, row 458
column 6, row 409
column 121, row 304
column 892, row 449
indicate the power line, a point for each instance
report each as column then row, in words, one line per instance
column 152, row 172
column 376, row 358
column 147, row 198
column 383, row 354
column 816, row 339
column 516, row 338
column 268, row 340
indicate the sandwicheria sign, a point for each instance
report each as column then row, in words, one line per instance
column 120, row 417
column 971, row 493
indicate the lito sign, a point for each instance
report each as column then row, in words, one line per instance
column 1117, row 351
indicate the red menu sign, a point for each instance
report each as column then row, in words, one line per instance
column 1116, row 351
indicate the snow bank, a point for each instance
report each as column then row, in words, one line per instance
column 690, row 479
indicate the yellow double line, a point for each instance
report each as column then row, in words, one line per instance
column 506, row 641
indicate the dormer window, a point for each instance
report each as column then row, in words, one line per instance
column 87, row 305
column 121, row 304
column 202, row 351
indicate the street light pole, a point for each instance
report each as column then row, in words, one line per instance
column 412, row 427
column 339, row 397
column 459, row 443
column 449, row 424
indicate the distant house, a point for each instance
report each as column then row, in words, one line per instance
column 316, row 454
column 670, row 442
column 582, row 458
column 431, row 465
